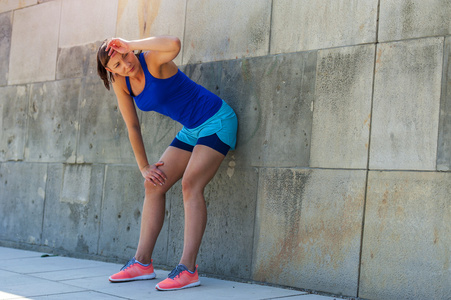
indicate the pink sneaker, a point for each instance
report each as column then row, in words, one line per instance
column 179, row 278
column 134, row 270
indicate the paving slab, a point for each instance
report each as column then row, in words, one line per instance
column 300, row 25
column 80, row 282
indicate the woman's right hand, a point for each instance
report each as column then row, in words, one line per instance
column 153, row 173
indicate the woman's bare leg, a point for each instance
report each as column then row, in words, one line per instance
column 202, row 167
column 152, row 218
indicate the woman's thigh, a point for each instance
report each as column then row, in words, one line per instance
column 175, row 161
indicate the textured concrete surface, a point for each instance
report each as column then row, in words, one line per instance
column 77, row 61
column 218, row 30
column 406, row 105
column 309, row 85
column 141, row 19
column 444, row 134
column 13, row 121
column 31, row 60
column 121, row 215
column 85, row 21
column 28, row 275
column 75, row 193
column 272, row 97
column 342, row 107
column 103, row 134
column 228, row 240
column 5, row 40
column 53, row 121
column 306, row 25
column 22, row 196
column 408, row 19
column 308, row 228
column 7, row 5
column 406, row 245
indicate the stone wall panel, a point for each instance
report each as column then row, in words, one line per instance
column 342, row 107
column 406, row 105
column 406, row 245
column 308, row 229
column 31, row 60
column 53, row 121
column 308, row 25
column 13, row 121
column 221, row 30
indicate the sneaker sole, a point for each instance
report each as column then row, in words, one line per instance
column 183, row 287
column 143, row 277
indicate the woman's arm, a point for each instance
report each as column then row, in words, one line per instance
column 128, row 111
column 165, row 47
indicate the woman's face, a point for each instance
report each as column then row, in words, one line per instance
column 123, row 64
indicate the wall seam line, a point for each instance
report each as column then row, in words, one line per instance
column 365, row 196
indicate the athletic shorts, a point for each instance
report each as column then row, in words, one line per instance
column 218, row 132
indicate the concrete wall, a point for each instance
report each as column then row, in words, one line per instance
column 341, row 180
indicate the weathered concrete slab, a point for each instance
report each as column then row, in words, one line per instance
column 121, row 215
column 8, row 5
column 13, row 121
column 408, row 19
column 406, row 245
column 75, row 192
column 444, row 133
column 227, row 243
column 308, row 228
column 141, row 19
column 53, row 121
column 158, row 131
column 77, row 61
column 30, row 25
column 85, row 21
column 342, row 107
column 103, row 133
column 220, row 30
column 6, row 27
column 22, row 201
column 307, row 25
column 406, row 105
column 272, row 98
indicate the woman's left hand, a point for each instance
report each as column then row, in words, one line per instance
column 118, row 45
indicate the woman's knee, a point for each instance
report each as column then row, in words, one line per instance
column 150, row 187
column 190, row 187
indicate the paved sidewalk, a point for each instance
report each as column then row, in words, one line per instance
column 27, row 275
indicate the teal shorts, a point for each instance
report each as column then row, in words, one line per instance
column 223, row 124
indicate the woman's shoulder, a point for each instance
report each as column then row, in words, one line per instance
column 119, row 84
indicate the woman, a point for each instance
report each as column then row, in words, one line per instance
column 153, row 81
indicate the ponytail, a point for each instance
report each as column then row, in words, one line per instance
column 102, row 60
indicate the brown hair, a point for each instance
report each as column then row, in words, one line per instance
column 102, row 60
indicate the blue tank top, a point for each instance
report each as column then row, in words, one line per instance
column 177, row 97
